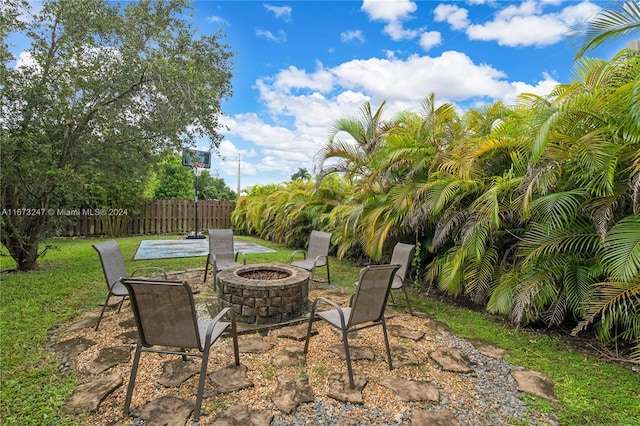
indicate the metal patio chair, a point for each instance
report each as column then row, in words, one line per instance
column 366, row 309
column 166, row 318
column 114, row 270
column 316, row 255
column 401, row 256
column 221, row 253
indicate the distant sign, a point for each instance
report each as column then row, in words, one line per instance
column 193, row 157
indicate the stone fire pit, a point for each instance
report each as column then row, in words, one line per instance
column 264, row 293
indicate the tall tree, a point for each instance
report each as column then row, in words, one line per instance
column 132, row 81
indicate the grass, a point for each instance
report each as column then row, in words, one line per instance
column 69, row 281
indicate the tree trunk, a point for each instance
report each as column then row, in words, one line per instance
column 21, row 237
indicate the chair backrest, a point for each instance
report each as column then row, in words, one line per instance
column 370, row 299
column 319, row 243
column 112, row 262
column 402, row 256
column 165, row 313
column 221, row 241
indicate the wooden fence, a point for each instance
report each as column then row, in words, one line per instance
column 154, row 217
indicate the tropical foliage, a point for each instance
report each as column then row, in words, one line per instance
column 532, row 209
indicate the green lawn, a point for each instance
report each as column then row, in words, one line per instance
column 69, row 282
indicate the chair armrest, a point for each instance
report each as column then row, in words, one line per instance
column 304, row 255
column 151, row 268
column 224, row 312
column 315, row 261
column 244, row 256
column 333, row 304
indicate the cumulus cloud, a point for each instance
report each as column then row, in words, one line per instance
column 279, row 37
column 455, row 16
column 308, row 102
column 394, row 13
column 283, row 12
column 430, row 39
column 351, row 35
column 525, row 24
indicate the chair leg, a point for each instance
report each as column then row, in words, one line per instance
column 408, row 303
column 347, row 355
column 328, row 274
column 311, row 274
column 203, row 376
column 132, row 379
column 206, row 268
column 214, row 272
column 102, row 312
column 311, row 318
column 386, row 343
column 121, row 303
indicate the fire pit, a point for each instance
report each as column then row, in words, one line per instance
column 264, row 293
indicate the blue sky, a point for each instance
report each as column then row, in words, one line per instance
column 301, row 65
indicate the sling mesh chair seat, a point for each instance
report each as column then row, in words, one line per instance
column 366, row 309
column 166, row 318
column 402, row 256
column 114, row 270
column 316, row 255
column 222, row 254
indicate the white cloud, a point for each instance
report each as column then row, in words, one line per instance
column 380, row 10
column 393, row 13
column 526, row 25
column 283, row 12
column 218, row 20
column 347, row 36
column 455, row 16
column 307, row 103
column 430, row 39
column 280, row 37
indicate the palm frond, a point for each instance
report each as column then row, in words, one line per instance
column 622, row 249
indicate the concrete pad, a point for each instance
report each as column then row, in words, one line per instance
column 170, row 249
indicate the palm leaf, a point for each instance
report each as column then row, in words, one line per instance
column 622, row 249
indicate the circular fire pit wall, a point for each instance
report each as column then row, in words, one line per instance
column 264, row 293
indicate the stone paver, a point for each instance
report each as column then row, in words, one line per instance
column 411, row 390
column 340, row 389
column 487, row 348
column 422, row 417
column 239, row 415
column 295, row 332
column 167, row 410
column 290, row 356
column 230, row 378
column 450, row 360
column 252, row 344
column 88, row 396
column 357, row 352
column 535, row 383
column 176, row 371
column 109, row 357
column 71, row 348
column 404, row 332
column 291, row 392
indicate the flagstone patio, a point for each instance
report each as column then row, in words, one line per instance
column 438, row 379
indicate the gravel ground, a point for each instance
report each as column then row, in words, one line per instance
column 487, row 396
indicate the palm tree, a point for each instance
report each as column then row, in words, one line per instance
column 353, row 156
column 622, row 20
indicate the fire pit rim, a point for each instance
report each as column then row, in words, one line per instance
column 295, row 275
